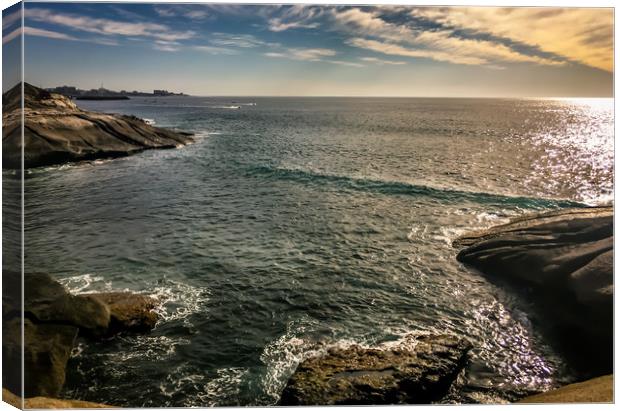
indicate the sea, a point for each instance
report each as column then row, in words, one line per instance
column 293, row 225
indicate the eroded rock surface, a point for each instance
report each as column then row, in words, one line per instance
column 417, row 372
column 563, row 261
column 57, row 131
column 128, row 311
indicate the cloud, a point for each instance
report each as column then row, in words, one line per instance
column 179, row 10
column 11, row 19
column 277, row 24
column 296, row 17
column 33, row 31
column 303, row 54
column 311, row 54
column 344, row 63
column 238, row 40
column 216, row 50
column 163, row 45
column 12, row 35
column 165, row 11
column 584, row 35
column 397, row 50
column 370, row 31
column 381, row 61
column 108, row 27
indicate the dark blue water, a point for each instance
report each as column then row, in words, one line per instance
column 297, row 224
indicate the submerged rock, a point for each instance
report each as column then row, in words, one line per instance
column 46, row 402
column 596, row 390
column 57, row 131
column 563, row 260
column 128, row 311
column 417, row 372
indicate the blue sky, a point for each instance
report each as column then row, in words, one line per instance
column 318, row 50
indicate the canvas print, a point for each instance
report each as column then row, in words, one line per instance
column 231, row 204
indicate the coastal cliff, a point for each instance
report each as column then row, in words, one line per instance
column 57, row 131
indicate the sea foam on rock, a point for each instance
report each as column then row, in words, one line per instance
column 416, row 372
column 57, row 131
column 563, row 261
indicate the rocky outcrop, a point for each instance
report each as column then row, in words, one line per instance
column 418, row 371
column 46, row 402
column 563, row 261
column 128, row 311
column 596, row 390
column 57, row 131
column 52, row 320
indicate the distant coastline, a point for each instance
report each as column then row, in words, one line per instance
column 102, row 93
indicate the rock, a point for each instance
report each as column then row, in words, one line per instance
column 57, row 131
column 563, row 260
column 128, row 311
column 46, row 351
column 419, row 371
column 46, row 402
column 596, row 390
column 53, row 318
column 46, row 300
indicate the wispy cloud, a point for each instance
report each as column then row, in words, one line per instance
column 238, row 40
column 216, row 50
column 376, row 60
column 12, row 35
column 296, row 17
column 312, row 54
column 10, row 19
column 37, row 32
column 345, row 63
column 192, row 12
column 578, row 34
column 170, row 46
column 108, row 27
column 370, row 31
column 303, row 54
column 398, row 50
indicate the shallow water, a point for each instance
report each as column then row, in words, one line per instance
column 301, row 223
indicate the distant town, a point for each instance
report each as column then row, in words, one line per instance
column 102, row 93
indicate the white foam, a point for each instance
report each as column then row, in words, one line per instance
column 210, row 391
column 86, row 283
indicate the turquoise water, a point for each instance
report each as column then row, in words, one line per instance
column 297, row 224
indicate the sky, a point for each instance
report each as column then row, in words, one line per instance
column 305, row 50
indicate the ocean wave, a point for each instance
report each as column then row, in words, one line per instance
column 226, row 107
column 447, row 195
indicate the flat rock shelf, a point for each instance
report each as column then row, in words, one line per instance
column 57, row 131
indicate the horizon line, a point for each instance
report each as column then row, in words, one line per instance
column 350, row 96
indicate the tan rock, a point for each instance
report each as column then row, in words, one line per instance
column 57, row 131
column 129, row 311
column 596, row 390
column 45, row 402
